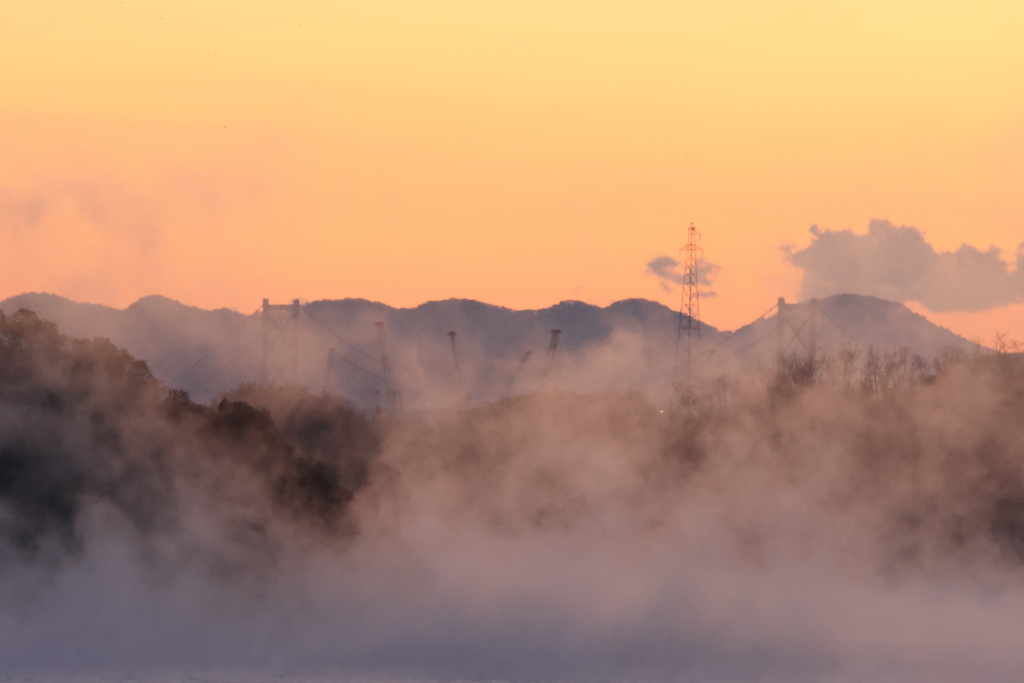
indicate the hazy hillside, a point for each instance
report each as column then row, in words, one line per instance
column 865, row 321
column 279, row 527
column 627, row 345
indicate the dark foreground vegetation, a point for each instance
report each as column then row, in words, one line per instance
column 861, row 512
column 82, row 423
column 919, row 462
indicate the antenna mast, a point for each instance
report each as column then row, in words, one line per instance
column 689, row 307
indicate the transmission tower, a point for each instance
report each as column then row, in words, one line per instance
column 394, row 395
column 802, row 320
column 552, row 347
column 278, row 321
column 689, row 307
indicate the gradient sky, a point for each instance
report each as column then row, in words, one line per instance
column 520, row 153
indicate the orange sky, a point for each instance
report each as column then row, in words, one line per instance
column 519, row 153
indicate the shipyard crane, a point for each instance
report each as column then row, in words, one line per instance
column 515, row 374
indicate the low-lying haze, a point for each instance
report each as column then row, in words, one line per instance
column 859, row 519
column 467, row 482
column 627, row 346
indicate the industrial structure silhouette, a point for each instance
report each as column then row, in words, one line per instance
column 284, row 330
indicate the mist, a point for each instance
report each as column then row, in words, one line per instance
column 628, row 345
column 858, row 518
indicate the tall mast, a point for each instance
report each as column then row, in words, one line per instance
column 689, row 307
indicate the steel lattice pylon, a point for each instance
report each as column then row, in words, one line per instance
column 689, row 308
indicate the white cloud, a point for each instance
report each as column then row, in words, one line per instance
column 897, row 263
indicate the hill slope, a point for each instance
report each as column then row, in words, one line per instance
column 866, row 321
column 627, row 345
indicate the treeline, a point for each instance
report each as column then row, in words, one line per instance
column 85, row 425
column 872, row 371
column 919, row 461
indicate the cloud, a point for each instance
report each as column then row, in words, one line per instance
column 665, row 268
column 556, row 536
column 898, row 264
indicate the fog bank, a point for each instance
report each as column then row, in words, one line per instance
column 808, row 525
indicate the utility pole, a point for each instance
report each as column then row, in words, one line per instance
column 330, row 367
column 689, row 307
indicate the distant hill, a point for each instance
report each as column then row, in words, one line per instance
column 627, row 345
column 866, row 321
column 166, row 334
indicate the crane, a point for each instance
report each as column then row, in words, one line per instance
column 515, row 375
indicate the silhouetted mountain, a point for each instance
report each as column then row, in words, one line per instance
column 625, row 346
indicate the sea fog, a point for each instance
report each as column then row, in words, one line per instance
column 858, row 521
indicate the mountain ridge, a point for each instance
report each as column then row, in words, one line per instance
column 628, row 344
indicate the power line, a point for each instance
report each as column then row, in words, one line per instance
column 350, row 345
column 338, row 336
column 733, row 334
column 234, row 332
column 827, row 317
column 754, row 343
column 230, row 335
column 213, row 373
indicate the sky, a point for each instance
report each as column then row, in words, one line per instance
column 518, row 153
